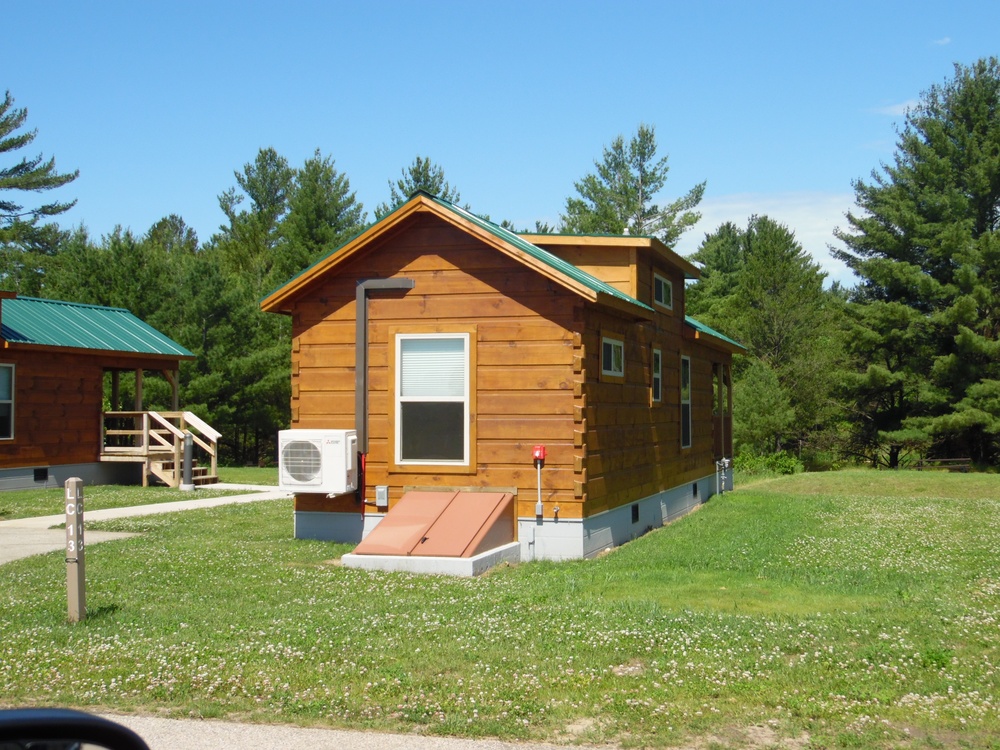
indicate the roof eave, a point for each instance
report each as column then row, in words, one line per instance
column 157, row 356
column 716, row 342
column 278, row 301
column 640, row 312
column 275, row 301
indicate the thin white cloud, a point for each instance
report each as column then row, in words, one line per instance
column 897, row 110
column 811, row 216
column 942, row 41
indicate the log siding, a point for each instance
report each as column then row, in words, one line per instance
column 536, row 345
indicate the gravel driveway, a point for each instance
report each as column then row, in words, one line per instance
column 196, row 734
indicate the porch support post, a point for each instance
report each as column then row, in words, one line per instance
column 728, row 379
column 115, row 390
column 138, row 389
column 174, row 378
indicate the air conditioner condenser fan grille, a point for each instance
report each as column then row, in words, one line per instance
column 301, row 460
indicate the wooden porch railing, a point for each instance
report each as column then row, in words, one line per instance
column 156, row 439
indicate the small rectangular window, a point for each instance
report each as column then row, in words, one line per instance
column 663, row 291
column 685, row 402
column 432, row 402
column 657, row 377
column 612, row 357
column 6, row 402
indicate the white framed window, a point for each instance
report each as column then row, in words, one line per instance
column 685, row 402
column 6, row 402
column 663, row 291
column 432, row 398
column 612, row 357
column 656, row 381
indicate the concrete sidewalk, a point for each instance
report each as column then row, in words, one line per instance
column 24, row 537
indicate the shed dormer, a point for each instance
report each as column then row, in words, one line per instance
column 641, row 267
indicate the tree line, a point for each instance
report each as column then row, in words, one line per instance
column 903, row 365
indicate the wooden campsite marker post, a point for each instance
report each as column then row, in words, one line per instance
column 76, row 580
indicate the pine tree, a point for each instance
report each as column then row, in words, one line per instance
column 25, row 243
column 29, row 174
column 927, row 237
column 618, row 198
column 323, row 213
column 422, row 174
column 760, row 286
column 248, row 243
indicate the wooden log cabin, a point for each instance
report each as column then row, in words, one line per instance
column 482, row 344
column 54, row 363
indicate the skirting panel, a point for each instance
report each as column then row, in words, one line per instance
column 546, row 538
column 557, row 539
column 37, row 477
column 345, row 528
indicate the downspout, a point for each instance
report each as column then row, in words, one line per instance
column 361, row 366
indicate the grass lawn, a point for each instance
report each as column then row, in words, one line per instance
column 855, row 609
column 249, row 475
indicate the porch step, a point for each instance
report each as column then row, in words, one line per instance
column 166, row 472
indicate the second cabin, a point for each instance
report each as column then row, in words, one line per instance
column 454, row 347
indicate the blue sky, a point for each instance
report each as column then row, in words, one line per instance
column 779, row 106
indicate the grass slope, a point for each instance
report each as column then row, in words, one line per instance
column 857, row 607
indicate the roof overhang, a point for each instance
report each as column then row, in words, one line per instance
column 154, row 361
column 281, row 299
column 698, row 331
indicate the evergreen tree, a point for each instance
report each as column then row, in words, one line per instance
column 29, row 174
column 925, row 245
column 25, row 242
column 761, row 287
column 762, row 412
column 173, row 236
column 721, row 257
column 323, row 214
column 618, row 198
column 422, row 174
column 249, row 240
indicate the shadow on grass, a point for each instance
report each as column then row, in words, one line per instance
column 102, row 611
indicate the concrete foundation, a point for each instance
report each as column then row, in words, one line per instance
column 452, row 566
column 559, row 539
column 542, row 538
column 345, row 528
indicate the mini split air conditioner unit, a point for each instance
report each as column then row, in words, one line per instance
column 321, row 461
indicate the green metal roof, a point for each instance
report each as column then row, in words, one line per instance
column 701, row 327
column 46, row 322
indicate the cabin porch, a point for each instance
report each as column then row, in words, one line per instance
column 156, row 440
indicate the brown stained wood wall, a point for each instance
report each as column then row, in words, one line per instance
column 524, row 351
column 538, row 371
column 59, row 403
column 632, row 447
